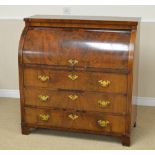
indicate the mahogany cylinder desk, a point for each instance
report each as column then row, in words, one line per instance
column 79, row 74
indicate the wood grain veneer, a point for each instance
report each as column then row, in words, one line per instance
column 79, row 74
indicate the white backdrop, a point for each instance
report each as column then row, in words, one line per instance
column 18, row 12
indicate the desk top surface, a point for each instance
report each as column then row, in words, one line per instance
column 69, row 17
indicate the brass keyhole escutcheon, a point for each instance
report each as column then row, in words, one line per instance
column 72, row 77
column 73, row 62
column 73, row 116
column 73, row 97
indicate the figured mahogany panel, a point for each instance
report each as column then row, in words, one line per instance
column 74, row 120
column 79, row 74
column 84, row 81
column 91, row 48
column 84, row 101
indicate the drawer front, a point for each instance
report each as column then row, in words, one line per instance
column 86, row 101
column 86, row 81
column 77, row 47
column 75, row 120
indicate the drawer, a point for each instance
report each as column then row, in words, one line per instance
column 86, row 101
column 85, row 81
column 77, row 47
column 75, row 120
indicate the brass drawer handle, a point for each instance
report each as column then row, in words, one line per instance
column 73, row 97
column 73, row 61
column 73, row 116
column 103, row 103
column 72, row 77
column 103, row 123
column 104, row 83
column 43, row 97
column 43, row 78
column 44, row 117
